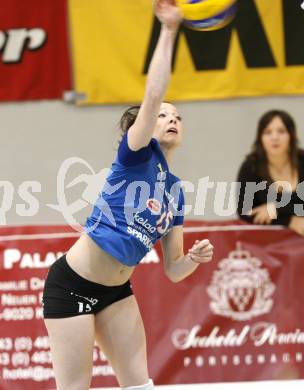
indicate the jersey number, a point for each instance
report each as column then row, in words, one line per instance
column 164, row 221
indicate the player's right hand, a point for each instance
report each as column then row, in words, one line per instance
column 168, row 13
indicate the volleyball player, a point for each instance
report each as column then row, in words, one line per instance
column 87, row 293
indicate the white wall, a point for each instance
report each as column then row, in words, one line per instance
column 37, row 137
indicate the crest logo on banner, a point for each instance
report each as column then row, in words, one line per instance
column 241, row 289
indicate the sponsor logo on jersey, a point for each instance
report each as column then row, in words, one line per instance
column 153, row 205
column 145, row 240
column 144, row 223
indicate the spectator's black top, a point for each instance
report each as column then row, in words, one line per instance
column 248, row 173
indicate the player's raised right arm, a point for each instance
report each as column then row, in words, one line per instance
column 158, row 77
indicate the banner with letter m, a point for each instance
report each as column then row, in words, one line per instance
column 260, row 53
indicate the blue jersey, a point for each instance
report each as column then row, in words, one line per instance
column 139, row 203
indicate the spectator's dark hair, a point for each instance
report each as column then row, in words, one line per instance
column 258, row 154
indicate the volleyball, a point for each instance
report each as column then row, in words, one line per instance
column 207, row 15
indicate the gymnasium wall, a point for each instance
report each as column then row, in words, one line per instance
column 36, row 138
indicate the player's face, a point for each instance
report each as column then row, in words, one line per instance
column 275, row 138
column 169, row 129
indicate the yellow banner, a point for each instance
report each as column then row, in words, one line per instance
column 260, row 53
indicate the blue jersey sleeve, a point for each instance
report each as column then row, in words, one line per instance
column 179, row 219
column 129, row 157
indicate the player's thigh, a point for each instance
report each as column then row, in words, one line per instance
column 72, row 342
column 120, row 334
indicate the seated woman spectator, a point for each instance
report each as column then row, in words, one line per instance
column 276, row 165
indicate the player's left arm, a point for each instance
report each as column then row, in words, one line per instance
column 177, row 265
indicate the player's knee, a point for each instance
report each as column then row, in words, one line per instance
column 147, row 386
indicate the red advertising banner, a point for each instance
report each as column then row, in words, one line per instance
column 34, row 54
column 237, row 318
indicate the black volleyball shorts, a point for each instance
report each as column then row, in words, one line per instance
column 67, row 294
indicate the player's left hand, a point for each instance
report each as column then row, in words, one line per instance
column 201, row 251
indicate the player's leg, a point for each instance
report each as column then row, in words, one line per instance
column 71, row 342
column 121, row 336
column 71, row 332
